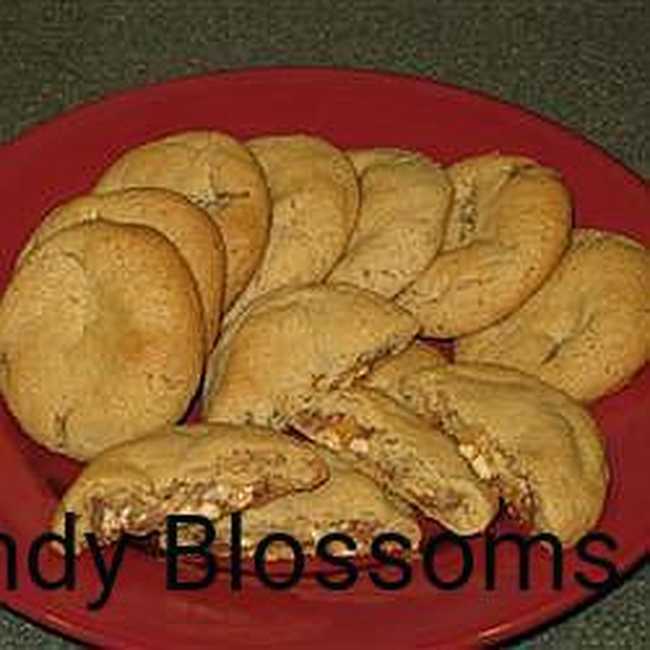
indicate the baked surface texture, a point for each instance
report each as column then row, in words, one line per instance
column 348, row 502
column 208, row 470
column 405, row 200
column 508, row 227
column 217, row 173
column 587, row 330
column 542, row 450
column 291, row 344
column 390, row 374
column 188, row 227
column 101, row 337
column 315, row 201
column 404, row 453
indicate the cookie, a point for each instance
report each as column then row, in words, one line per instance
column 189, row 228
column 101, row 337
column 208, row 470
column 508, row 227
column 315, row 201
column 403, row 453
column 587, row 330
column 291, row 344
column 348, row 502
column 538, row 447
column 390, row 373
column 218, row 174
column 405, row 200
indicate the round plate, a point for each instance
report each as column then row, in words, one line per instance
column 55, row 161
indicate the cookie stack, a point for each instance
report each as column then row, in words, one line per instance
column 291, row 285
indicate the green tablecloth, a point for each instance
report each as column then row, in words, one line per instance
column 585, row 64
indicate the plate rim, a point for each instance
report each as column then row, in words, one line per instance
column 129, row 93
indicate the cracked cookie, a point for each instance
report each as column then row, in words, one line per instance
column 587, row 330
column 405, row 200
column 189, row 228
column 315, row 201
column 216, row 173
column 201, row 469
column 348, row 502
column 402, row 452
column 508, row 227
column 101, row 336
column 541, row 450
column 289, row 345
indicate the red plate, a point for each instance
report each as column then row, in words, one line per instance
column 354, row 109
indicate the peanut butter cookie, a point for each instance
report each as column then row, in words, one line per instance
column 101, row 337
column 508, row 228
column 405, row 200
column 541, row 450
column 218, row 174
column 315, row 201
column 189, row 228
column 402, row 452
column 293, row 343
column 348, row 502
column 208, row 470
column 587, row 330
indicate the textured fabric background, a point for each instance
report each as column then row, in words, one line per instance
column 585, row 64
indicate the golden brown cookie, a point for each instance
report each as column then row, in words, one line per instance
column 403, row 453
column 508, row 228
column 208, row 470
column 189, row 228
column 405, row 200
column 315, row 201
column 292, row 343
column 587, row 330
column 539, row 448
column 390, row 373
column 216, row 173
column 348, row 502
column 101, row 337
